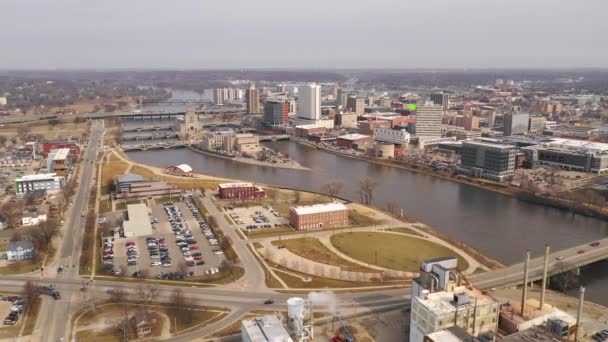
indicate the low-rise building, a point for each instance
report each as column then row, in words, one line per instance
column 58, row 161
column 346, row 120
column 33, row 220
column 394, row 136
column 57, row 144
column 138, row 221
column 318, row 216
column 247, row 143
column 240, row 191
column 368, row 126
column 304, row 131
column 50, row 182
column 218, row 141
column 264, row 328
column 184, row 170
column 354, row 141
column 133, row 185
column 20, row 250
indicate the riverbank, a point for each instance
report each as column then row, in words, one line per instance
column 292, row 164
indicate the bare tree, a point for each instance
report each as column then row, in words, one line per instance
column 117, row 295
column 333, row 189
column 297, row 197
column 182, row 306
column 146, row 294
column 367, row 186
column 44, row 233
column 10, row 211
column 393, row 207
column 17, row 236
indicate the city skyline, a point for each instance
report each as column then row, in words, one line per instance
column 386, row 34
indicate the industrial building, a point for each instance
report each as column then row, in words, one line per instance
column 138, row 221
column 487, row 160
column 440, row 302
column 133, row 185
column 318, row 216
column 264, row 329
column 50, row 182
column 58, row 161
column 240, row 191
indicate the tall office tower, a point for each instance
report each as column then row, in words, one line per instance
column 218, row 96
column 309, row 101
column 275, row 113
column 253, row 99
column 441, row 99
column 428, row 120
column 516, row 123
column 342, row 96
column 355, row 105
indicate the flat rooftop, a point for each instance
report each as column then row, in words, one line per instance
column 487, row 144
column 319, row 208
column 265, row 329
column 235, row 185
column 442, row 303
column 139, row 220
column 354, row 136
column 41, row 176
column 579, row 144
column 60, row 154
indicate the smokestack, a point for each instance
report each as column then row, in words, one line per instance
column 524, row 292
column 542, row 290
column 581, row 299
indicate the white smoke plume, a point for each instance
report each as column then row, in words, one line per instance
column 326, row 299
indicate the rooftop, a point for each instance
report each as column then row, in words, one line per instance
column 487, row 144
column 579, row 144
column 41, row 176
column 235, row 185
column 319, row 208
column 442, row 303
column 265, row 328
column 139, row 220
column 129, row 178
column 353, row 136
column 61, row 153
column 25, row 244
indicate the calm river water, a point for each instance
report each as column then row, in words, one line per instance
column 499, row 226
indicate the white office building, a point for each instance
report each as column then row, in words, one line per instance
column 428, row 120
column 309, row 101
column 394, row 136
column 45, row 181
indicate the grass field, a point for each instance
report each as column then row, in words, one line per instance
column 109, row 172
column 313, row 249
column 405, row 230
column 391, row 251
column 105, row 206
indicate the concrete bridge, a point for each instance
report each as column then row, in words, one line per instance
column 560, row 261
column 153, row 145
column 274, row 137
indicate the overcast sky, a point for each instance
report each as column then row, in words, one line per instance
column 207, row 34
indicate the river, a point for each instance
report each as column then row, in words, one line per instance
column 500, row 226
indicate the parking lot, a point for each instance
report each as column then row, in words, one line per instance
column 181, row 246
column 256, row 217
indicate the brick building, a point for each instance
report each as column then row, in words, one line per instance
column 318, row 216
column 240, row 190
column 57, row 144
column 355, row 140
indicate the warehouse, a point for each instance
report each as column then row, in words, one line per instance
column 138, row 223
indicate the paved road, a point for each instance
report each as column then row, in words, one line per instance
column 513, row 275
column 54, row 315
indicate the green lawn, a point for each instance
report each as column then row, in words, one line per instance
column 391, row 251
column 313, row 249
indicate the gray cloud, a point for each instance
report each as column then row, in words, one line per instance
column 303, row 34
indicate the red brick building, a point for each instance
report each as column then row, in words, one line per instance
column 240, row 190
column 318, row 216
column 57, row 144
column 355, row 141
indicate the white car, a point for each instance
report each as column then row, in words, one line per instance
column 155, row 263
column 218, row 252
column 560, row 257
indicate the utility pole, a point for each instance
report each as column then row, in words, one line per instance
column 544, row 285
column 524, row 292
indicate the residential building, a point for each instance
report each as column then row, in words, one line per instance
column 247, row 143
column 428, row 120
column 442, row 99
column 20, row 250
column 356, row 105
column 240, row 191
column 138, row 221
column 50, row 182
column 318, row 216
column 354, row 141
column 58, row 161
column 276, row 113
column 57, row 144
column 515, row 123
column 264, row 329
column 487, row 160
column 439, row 302
column 309, row 101
column 252, row 97
column 389, row 135
column 133, row 185
column 33, row 220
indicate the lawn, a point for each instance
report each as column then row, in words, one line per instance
column 405, row 230
column 391, row 251
column 313, row 249
column 109, row 172
column 105, row 206
column 359, row 219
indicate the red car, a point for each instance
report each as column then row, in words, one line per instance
column 130, row 243
column 198, row 257
column 193, row 247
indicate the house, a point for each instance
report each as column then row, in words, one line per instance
column 20, row 250
column 33, row 220
column 144, row 323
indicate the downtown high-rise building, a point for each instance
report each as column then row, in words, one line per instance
column 428, row 120
column 276, row 113
column 516, row 123
column 356, row 105
column 442, row 99
column 252, row 97
column 309, row 102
